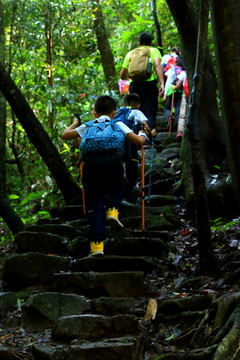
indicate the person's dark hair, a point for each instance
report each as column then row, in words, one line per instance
column 132, row 100
column 105, row 104
column 145, row 39
column 175, row 49
column 180, row 62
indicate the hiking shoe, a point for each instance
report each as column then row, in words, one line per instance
column 112, row 218
column 96, row 248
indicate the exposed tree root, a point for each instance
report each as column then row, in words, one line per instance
column 229, row 335
column 220, row 322
column 199, row 354
column 201, row 326
column 226, row 304
column 233, row 278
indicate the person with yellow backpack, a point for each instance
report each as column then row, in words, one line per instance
column 143, row 66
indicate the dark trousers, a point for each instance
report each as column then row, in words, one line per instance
column 103, row 189
column 131, row 161
column 148, row 92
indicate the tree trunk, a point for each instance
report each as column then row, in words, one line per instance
column 13, row 221
column 40, row 139
column 227, row 47
column 206, row 254
column 10, row 217
column 210, row 126
column 157, row 26
column 49, row 52
column 104, row 47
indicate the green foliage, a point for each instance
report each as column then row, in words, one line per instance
column 221, row 224
column 55, row 39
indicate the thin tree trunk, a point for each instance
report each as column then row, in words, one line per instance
column 6, row 211
column 39, row 138
column 206, row 254
column 157, row 26
column 49, row 55
column 104, row 47
column 227, row 46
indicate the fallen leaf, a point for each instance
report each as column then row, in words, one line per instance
column 151, row 310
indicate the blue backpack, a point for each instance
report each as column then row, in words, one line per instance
column 123, row 114
column 102, row 142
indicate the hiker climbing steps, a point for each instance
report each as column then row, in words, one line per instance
column 91, row 307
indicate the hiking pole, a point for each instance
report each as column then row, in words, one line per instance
column 78, row 116
column 150, row 171
column 170, row 119
column 143, row 187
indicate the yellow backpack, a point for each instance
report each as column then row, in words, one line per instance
column 140, row 65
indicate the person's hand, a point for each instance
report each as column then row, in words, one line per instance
column 164, row 97
column 75, row 121
column 174, row 87
column 161, row 90
column 154, row 132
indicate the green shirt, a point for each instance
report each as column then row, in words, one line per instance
column 154, row 53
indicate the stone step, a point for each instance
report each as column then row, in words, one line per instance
column 94, row 327
column 63, row 230
column 127, row 348
column 113, row 263
column 93, row 284
column 125, row 242
column 31, row 241
column 47, row 307
column 47, row 243
column 151, row 247
column 115, row 306
column 28, row 269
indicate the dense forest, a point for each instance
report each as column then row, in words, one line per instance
column 58, row 56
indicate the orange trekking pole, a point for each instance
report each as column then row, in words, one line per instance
column 143, row 187
column 171, row 117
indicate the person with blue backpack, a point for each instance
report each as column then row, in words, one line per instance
column 134, row 118
column 102, row 147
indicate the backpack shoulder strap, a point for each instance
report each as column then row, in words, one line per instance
column 90, row 123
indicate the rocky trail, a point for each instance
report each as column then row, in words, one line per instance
column 144, row 299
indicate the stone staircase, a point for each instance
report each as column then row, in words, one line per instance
column 82, row 307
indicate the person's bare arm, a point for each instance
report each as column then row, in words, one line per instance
column 123, row 73
column 70, row 132
column 158, row 68
column 136, row 139
column 178, row 85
